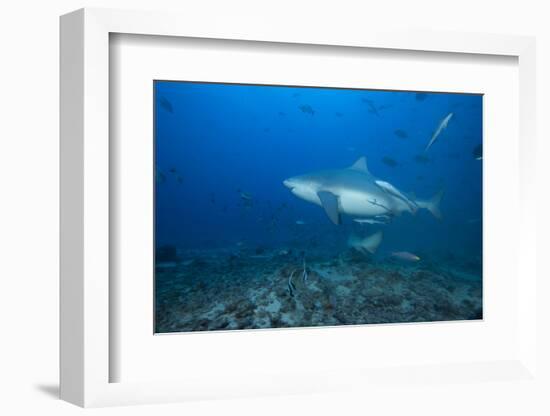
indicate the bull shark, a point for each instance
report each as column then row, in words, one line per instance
column 355, row 192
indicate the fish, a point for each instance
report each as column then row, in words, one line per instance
column 245, row 196
column 300, row 222
column 370, row 103
column 422, row 159
column 442, row 126
column 365, row 245
column 405, row 255
column 354, row 191
column 305, row 108
column 420, row 96
column 179, row 179
column 281, row 113
column 402, row 134
column 338, row 114
column 368, row 221
column 291, row 286
column 304, row 273
column 166, row 105
column 389, row 161
column 478, row 152
column 373, row 109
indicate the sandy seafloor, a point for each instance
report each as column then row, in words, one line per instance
column 218, row 290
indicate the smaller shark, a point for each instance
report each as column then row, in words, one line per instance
column 354, row 191
column 442, row 126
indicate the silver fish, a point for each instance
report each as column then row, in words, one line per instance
column 442, row 126
column 405, row 255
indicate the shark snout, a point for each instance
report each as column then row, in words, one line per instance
column 288, row 183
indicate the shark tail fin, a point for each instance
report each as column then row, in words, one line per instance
column 371, row 242
column 433, row 204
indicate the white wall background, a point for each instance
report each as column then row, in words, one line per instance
column 29, row 206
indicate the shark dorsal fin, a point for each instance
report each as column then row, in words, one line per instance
column 360, row 165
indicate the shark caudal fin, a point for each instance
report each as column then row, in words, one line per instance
column 433, row 204
column 369, row 244
column 372, row 242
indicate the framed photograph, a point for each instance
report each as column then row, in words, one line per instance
column 239, row 251
column 246, row 213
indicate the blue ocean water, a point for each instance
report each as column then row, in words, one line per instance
column 222, row 152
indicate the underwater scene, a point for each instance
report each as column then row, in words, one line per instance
column 287, row 206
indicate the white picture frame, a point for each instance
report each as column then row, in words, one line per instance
column 85, row 208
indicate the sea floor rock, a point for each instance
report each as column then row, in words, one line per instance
column 206, row 295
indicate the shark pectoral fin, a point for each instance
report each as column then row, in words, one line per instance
column 329, row 201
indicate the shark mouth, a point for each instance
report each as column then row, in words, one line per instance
column 288, row 184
